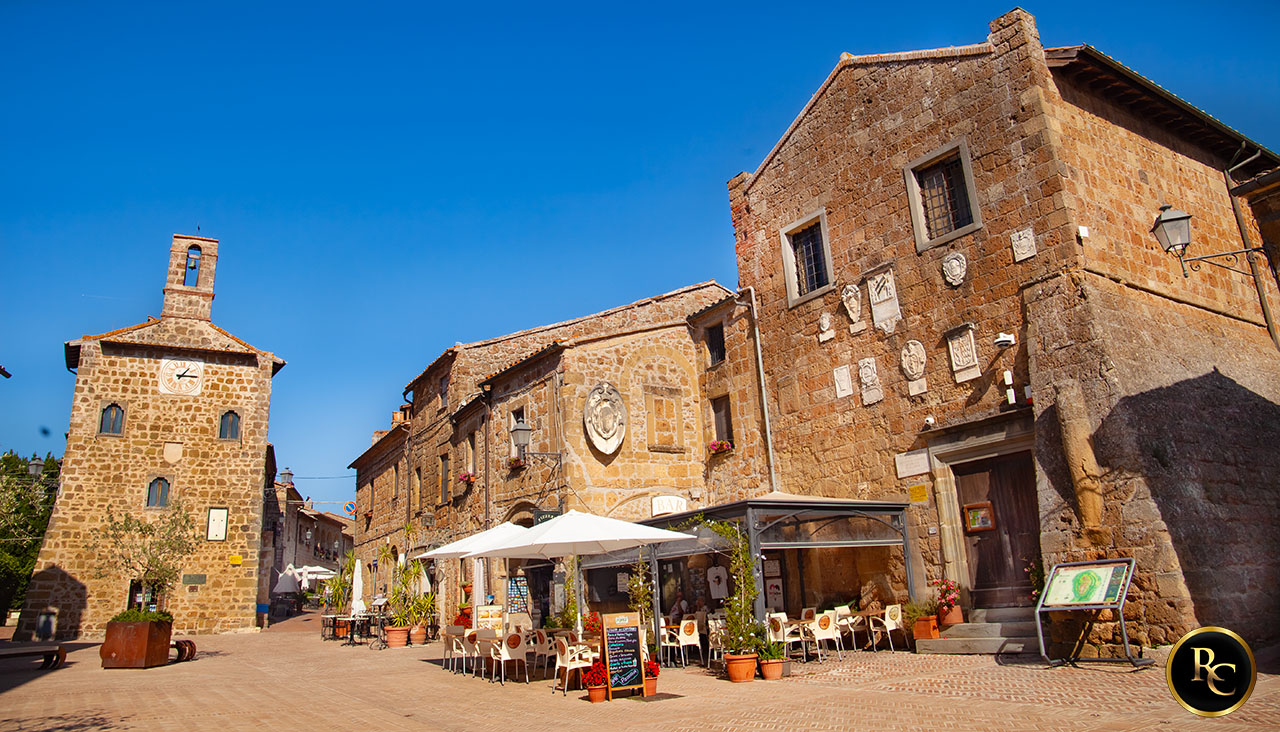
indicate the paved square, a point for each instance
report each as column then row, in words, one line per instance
column 296, row 682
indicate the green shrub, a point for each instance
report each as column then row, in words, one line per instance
column 142, row 616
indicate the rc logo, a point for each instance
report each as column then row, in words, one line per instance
column 1211, row 671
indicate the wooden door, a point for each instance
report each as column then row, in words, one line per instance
column 998, row 556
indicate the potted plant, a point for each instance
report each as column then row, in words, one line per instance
column 948, row 603
column 596, row 679
column 742, row 633
column 149, row 552
column 515, row 463
column 651, row 671
column 718, row 447
column 467, row 478
column 423, row 616
column 772, row 656
column 921, row 618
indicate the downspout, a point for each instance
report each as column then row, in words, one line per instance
column 1248, row 255
column 764, row 393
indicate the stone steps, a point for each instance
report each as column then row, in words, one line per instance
column 988, row 631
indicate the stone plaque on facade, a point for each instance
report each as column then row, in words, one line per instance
column 915, row 462
column 964, row 354
column 172, row 452
column 913, row 360
column 954, row 267
column 826, row 328
column 869, row 381
column 851, row 296
column 663, row 505
column 605, row 418
column 1024, row 244
column 883, row 294
column 844, row 381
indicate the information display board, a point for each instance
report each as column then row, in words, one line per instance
column 622, row 652
column 1087, row 584
column 517, row 594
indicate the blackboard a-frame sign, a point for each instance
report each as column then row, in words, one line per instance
column 622, row 652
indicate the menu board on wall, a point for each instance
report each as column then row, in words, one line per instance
column 488, row 616
column 622, row 658
column 518, row 594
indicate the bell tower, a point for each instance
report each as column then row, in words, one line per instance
column 188, row 289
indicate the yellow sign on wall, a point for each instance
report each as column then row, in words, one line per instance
column 236, row 560
column 919, row 493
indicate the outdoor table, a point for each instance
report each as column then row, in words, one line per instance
column 328, row 627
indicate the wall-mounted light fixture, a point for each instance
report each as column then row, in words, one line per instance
column 1172, row 229
column 520, row 435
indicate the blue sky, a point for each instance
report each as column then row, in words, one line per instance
column 388, row 179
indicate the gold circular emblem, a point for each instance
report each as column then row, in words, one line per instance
column 1211, row 671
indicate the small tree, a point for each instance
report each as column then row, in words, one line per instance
column 742, row 632
column 640, row 592
column 150, row 552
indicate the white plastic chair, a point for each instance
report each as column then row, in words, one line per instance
column 568, row 658
column 891, row 621
column 715, row 639
column 780, row 632
column 485, row 637
column 847, row 622
column 823, row 629
column 543, row 648
column 453, row 650
column 470, row 651
column 688, row 635
column 513, row 648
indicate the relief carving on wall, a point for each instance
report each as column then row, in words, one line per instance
column 869, row 380
column 605, row 418
column 954, row 268
column 825, row 328
column 913, row 361
column 964, row 353
column 851, row 296
column 883, row 294
column 1024, row 243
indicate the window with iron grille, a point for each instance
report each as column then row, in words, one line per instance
column 715, row 343
column 941, row 194
column 944, row 197
column 811, row 266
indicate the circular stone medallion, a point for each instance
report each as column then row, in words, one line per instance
column 605, row 418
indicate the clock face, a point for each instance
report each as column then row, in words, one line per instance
column 181, row 376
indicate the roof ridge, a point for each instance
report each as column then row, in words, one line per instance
column 150, row 321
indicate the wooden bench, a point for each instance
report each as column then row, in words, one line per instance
column 54, row 655
column 186, row 650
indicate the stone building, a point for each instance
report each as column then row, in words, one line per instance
column 172, row 409
column 622, row 406
column 296, row 533
column 961, row 304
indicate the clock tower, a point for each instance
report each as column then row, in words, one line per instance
column 167, row 414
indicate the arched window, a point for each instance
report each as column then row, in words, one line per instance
column 112, row 420
column 229, row 426
column 158, row 493
column 192, row 277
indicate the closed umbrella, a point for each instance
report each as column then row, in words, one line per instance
column 357, row 589
column 574, row 534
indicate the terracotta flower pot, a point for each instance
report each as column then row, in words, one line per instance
column 418, row 635
column 650, row 686
column 596, row 694
column 397, row 637
column 771, row 670
column 925, row 627
column 954, row 616
column 341, row 628
column 740, row 668
column 136, row 645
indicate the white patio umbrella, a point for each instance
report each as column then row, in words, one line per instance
column 481, row 540
column 316, row 572
column 288, row 581
column 357, row 589
column 576, row 533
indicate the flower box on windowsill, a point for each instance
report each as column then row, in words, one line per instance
column 720, row 447
column 515, row 463
column 467, row 478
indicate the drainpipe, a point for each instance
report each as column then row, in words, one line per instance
column 764, row 393
column 1248, row 255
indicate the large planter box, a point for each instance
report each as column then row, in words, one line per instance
column 136, row 645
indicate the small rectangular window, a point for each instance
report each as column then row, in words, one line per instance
column 444, row 478
column 715, row 343
column 723, row 419
column 415, row 488
column 811, row 270
column 229, row 426
column 395, row 485
column 158, row 493
column 940, row 192
column 471, row 452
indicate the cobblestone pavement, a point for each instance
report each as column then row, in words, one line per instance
column 295, row 681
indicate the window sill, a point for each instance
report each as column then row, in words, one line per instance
column 923, row 246
column 813, row 294
column 717, row 364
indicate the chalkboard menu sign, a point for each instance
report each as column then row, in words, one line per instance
column 622, row 651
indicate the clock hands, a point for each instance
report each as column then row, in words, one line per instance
column 185, row 375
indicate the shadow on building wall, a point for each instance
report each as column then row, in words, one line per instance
column 1206, row 449
column 53, row 587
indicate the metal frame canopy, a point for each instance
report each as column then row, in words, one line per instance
column 786, row 521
